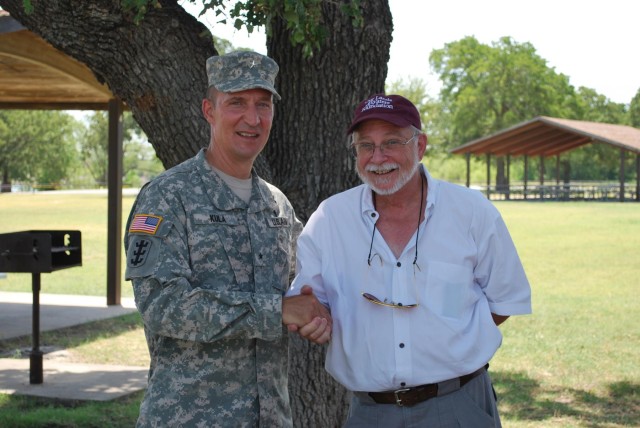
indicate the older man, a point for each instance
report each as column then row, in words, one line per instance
column 210, row 247
column 418, row 274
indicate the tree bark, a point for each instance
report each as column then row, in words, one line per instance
column 308, row 149
column 157, row 68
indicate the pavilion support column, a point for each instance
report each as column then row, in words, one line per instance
column 638, row 177
column 541, row 168
column 114, row 232
column 508, row 190
column 468, row 158
column 557, row 191
column 526, row 175
column 488, row 175
column 622, row 151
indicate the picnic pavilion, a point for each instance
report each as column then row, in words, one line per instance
column 548, row 137
column 36, row 76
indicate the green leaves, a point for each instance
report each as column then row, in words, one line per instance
column 303, row 17
column 36, row 146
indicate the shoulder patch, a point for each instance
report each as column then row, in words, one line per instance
column 145, row 223
column 139, row 252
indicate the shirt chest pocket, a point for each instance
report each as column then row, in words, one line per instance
column 451, row 291
column 221, row 252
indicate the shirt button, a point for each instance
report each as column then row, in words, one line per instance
column 402, row 345
column 373, row 215
column 398, row 264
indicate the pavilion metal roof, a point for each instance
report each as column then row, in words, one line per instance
column 548, row 136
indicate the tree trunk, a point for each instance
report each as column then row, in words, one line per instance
column 5, row 186
column 308, row 150
column 157, row 68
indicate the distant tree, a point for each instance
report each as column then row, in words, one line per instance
column 139, row 163
column 415, row 90
column 223, row 46
column 35, row 146
column 94, row 143
column 594, row 107
column 634, row 110
column 597, row 161
column 486, row 88
column 440, row 162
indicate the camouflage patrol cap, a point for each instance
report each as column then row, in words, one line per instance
column 242, row 70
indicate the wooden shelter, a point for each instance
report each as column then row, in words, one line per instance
column 546, row 137
column 36, row 76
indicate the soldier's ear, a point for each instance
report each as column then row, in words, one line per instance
column 207, row 110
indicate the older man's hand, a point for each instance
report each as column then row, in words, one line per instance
column 305, row 315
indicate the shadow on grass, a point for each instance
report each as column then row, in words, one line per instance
column 70, row 337
column 522, row 398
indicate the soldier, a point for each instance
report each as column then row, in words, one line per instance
column 210, row 249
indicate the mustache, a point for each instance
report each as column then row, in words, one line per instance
column 387, row 166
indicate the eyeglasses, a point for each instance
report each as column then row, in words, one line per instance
column 389, row 147
column 373, row 299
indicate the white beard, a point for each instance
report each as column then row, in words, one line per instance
column 402, row 179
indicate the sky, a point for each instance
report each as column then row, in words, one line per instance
column 595, row 43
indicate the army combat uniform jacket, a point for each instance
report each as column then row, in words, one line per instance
column 208, row 274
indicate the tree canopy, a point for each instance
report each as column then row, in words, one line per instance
column 487, row 88
column 36, row 146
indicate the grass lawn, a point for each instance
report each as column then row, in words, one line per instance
column 574, row 363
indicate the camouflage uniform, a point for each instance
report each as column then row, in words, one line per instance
column 208, row 275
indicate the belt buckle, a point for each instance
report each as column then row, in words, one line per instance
column 400, row 391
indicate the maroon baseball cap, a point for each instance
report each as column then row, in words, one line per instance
column 394, row 109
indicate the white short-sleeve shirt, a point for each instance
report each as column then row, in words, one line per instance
column 467, row 268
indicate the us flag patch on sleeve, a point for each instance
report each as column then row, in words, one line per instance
column 145, row 223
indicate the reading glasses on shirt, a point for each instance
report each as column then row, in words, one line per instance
column 388, row 147
column 373, row 299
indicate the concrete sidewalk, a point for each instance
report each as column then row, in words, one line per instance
column 72, row 381
column 63, row 380
column 56, row 311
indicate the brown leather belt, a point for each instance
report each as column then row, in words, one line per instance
column 418, row 394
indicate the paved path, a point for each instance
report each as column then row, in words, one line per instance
column 64, row 381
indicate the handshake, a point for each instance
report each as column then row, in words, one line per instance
column 308, row 317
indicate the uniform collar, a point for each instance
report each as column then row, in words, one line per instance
column 223, row 198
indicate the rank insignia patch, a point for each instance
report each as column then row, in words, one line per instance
column 145, row 223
